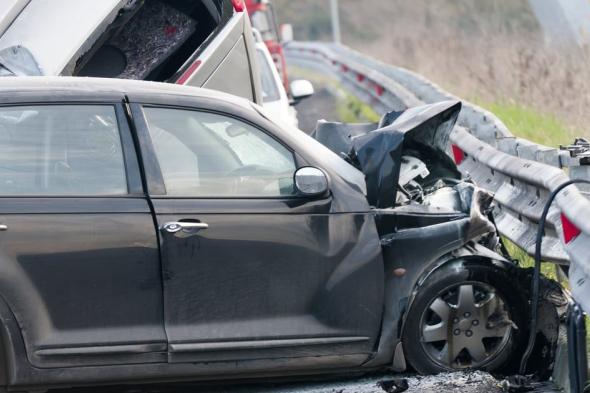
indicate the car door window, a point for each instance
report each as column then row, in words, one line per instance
column 210, row 155
column 61, row 150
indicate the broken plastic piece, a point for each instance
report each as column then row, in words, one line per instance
column 18, row 61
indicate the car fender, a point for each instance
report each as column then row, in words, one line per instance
column 13, row 358
column 410, row 257
column 471, row 254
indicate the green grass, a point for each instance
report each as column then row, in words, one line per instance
column 530, row 124
column 353, row 110
column 525, row 260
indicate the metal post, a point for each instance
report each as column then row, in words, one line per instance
column 335, row 21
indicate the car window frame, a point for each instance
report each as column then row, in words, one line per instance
column 153, row 172
column 130, row 161
column 266, row 69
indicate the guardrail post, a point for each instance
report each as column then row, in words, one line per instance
column 335, row 21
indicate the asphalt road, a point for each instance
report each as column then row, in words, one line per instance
column 322, row 105
column 464, row 382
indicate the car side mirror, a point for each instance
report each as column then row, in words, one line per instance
column 287, row 32
column 301, row 89
column 311, row 181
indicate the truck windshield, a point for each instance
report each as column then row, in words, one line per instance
column 263, row 21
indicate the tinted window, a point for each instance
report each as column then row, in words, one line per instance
column 203, row 154
column 60, row 150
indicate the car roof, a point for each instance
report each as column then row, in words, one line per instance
column 86, row 86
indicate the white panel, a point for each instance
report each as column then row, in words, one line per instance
column 9, row 9
column 58, row 31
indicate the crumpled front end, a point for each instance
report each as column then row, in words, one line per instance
column 411, row 180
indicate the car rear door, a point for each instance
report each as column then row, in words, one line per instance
column 251, row 270
column 79, row 261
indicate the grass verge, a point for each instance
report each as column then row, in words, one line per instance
column 530, row 124
column 525, row 260
column 353, row 110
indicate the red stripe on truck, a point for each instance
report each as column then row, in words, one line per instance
column 188, row 73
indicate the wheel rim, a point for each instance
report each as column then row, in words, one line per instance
column 465, row 326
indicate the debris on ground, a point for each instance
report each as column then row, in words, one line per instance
column 394, row 385
column 462, row 382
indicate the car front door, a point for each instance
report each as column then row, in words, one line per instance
column 79, row 261
column 252, row 270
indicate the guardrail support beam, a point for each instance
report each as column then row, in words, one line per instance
column 334, row 9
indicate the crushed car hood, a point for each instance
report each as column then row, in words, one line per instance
column 376, row 149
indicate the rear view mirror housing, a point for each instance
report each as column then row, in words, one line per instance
column 301, row 89
column 287, row 32
column 311, row 181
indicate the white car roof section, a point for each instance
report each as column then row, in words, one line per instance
column 58, row 32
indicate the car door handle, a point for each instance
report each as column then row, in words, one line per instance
column 184, row 226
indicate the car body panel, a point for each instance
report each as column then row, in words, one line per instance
column 92, row 296
column 94, row 299
column 283, row 286
column 227, row 62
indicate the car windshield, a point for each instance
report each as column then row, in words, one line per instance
column 270, row 90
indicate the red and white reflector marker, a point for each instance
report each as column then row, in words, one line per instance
column 188, row 73
column 238, row 5
column 570, row 231
column 458, row 154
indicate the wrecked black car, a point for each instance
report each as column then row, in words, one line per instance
column 156, row 233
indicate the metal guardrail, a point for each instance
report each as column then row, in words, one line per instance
column 522, row 174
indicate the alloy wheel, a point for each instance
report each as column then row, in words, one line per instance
column 465, row 326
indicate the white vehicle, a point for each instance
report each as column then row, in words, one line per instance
column 275, row 99
column 202, row 43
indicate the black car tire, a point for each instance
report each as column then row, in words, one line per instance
column 446, row 283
